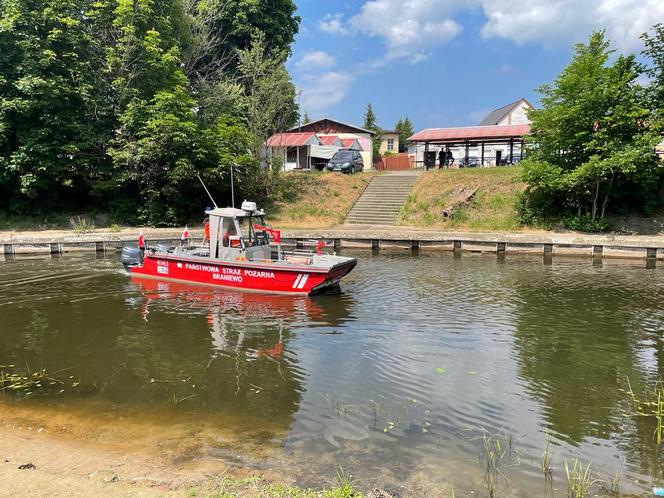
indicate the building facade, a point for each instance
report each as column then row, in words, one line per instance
column 344, row 132
column 389, row 143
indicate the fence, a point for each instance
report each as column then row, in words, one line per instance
column 397, row 162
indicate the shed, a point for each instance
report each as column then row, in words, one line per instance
column 328, row 126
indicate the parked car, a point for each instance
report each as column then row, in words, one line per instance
column 470, row 162
column 346, row 161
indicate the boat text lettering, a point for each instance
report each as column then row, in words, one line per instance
column 207, row 268
column 259, row 274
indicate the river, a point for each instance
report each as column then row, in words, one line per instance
column 399, row 380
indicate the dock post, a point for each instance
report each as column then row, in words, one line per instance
column 651, row 253
column 415, row 247
column 100, row 246
column 375, row 246
column 337, row 245
column 457, row 246
column 9, row 251
column 548, row 248
column 55, row 248
column 299, row 244
column 598, row 251
column 501, row 247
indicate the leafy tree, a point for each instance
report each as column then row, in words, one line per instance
column 405, row 130
column 592, row 140
column 268, row 101
column 306, row 119
column 654, row 50
column 47, row 103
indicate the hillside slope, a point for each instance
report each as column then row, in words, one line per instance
column 492, row 208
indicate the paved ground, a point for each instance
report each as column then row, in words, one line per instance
column 356, row 232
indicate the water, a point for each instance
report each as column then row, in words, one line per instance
column 396, row 379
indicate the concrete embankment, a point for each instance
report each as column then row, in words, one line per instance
column 362, row 236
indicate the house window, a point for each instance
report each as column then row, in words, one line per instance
column 390, row 144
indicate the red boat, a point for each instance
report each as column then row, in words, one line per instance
column 239, row 255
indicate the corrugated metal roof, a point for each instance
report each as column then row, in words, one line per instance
column 470, row 133
column 293, row 139
column 328, row 139
column 347, row 143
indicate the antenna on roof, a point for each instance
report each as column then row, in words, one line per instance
column 207, row 191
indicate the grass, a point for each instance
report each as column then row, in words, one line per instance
column 316, row 199
column 492, row 208
column 579, row 479
column 258, row 487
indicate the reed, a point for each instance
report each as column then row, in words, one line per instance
column 545, row 464
column 579, row 479
column 38, row 383
column 651, row 404
column 494, row 454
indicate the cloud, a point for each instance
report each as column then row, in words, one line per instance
column 321, row 91
column 315, row 60
column 409, row 29
column 414, row 28
column 571, row 20
column 333, row 24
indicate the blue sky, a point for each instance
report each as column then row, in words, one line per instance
column 445, row 62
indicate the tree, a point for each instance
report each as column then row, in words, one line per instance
column 306, row 119
column 268, row 101
column 405, row 130
column 654, row 51
column 592, row 139
column 47, row 103
column 371, row 124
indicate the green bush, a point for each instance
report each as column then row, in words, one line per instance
column 586, row 224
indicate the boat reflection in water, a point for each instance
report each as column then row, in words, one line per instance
column 250, row 363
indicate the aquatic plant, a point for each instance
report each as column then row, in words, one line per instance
column 579, row 479
column 651, row 404
column 345, row 487
column 32, row 383
column 547, row 470
column 497, row 451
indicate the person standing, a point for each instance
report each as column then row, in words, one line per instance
column 442, row 156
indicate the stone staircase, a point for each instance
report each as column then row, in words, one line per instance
column 382, row 200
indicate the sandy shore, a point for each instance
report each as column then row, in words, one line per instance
column 78, row 455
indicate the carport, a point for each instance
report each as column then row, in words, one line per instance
column 493, row 145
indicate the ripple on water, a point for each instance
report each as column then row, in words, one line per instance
column 405, row 369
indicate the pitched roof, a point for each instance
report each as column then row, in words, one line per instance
column 470, row 133
column 498, row 115
column 292, row 139
column 313, row 123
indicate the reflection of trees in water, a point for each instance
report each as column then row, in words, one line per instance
column 577, row 341
column 227, row 350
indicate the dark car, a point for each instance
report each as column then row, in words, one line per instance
column 346, row 161
column 470, row 162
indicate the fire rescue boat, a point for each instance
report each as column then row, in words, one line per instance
column 241, row 253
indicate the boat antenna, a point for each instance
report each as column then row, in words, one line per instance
column 207, row 191
column 232, row 188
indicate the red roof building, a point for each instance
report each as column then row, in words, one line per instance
column 290, row 139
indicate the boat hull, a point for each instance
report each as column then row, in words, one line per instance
column 254, row 277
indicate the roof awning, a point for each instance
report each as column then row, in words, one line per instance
column 292, row 139
column 478, row 133
column 323, row 151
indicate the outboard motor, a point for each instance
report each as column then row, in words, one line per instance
column 131, row 256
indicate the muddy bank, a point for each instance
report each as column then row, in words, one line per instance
column 117, row 454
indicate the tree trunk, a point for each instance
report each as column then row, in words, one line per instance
column 606, row 198
column 594, row 212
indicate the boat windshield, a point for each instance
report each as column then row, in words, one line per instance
column 247, row 229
